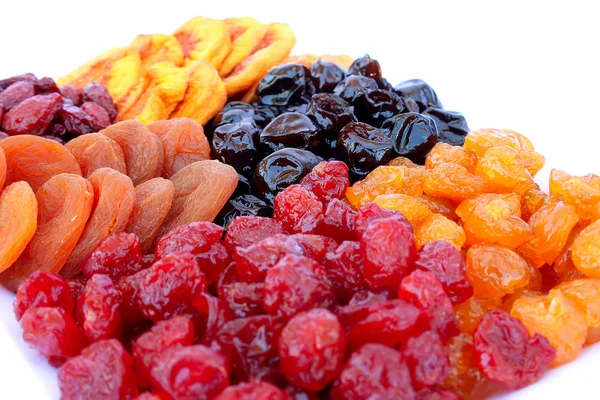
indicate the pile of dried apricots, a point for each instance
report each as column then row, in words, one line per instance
column 348, row 240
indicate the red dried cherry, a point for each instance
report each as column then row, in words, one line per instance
column 254, row 390
column 244, row 299
column 345, row 269
column 245, row 231
column 338, row 221
column 298, row 210
column 427, row 359
column 43, row 289
column 253, row 262
column 118, row 255
column 328, row 180
column 214, row 312
column 369, row 213
column 98, row 309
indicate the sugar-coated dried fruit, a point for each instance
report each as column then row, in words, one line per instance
column 453, row 182
column 338, row 221
column 244, row 231
column 427, row 358
column 117, row 255
column 437, row 227
column 585, row 250
column 215, row 313
column 414, row 210
column 98, row 309
column 503, row 171
column 469, row 313
column 345, row 269
column 382, row 180
column 253, row 262
column 311, row 349
column 298, row 210
column 253, row 390
column 369, row 213
column 327, row 180
column 465, row 375
column 582, row 192
column 43, row 289
column 443, row 153
column 95, row 151
column 584, row 293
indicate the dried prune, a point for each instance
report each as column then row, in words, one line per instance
column 233, row 112
column 285, row 84
column 117, row 255
column 237, row 144
column 363, row 147
column 97, row 93
column 290, row 129
column 376, row 106
column 311, row 348
column 420, row 92
column 451, row 125
column 33, row 115
column 94, row 151
column 366, row 66
column 98, row 309
column 244, row 205
column 413, row 135
column 354, row 87
column 264, row 114
column 281, row 169
column 330, row 113
column 326, row 75
column 15, row 94
column 427, row 358
column 43, row 289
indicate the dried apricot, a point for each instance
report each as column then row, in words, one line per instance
column 35, row 160
column 64, row 205
column 245, row 34
column 533, row 200
column 94, row 151
column 453, row 182
column 139, row 149
column 205, row 94
column 414, row 210
column 2, row 169
column 437, row 227
column 113, row 202
column 157, row 48
column 153, row 200
column 204, row 39
column 445, row 153
column 18, row 213
column 585, row 250
column 438, row 205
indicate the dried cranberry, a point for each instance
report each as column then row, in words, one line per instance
column 33, row 115
column 296, row 284
column 300, row 394
column 72, row 93
column 43, row 289
column 376, row 106
column 363, row 147
column 118, row 255
column 413, row 135
column 330, row 113
column 326, row 75
column 97, row 114
column 104, row 370
column 77, row 283
column 169, row 286
column 448, row 265
column 369, row 213
column 97, row 93
column 358, row 307
column 16, row 93
column 76, row 120
column 290, row 129
column 507, row 354
column 436, row 394
column 46, row 85
column 151, row 396
column 312, row 349
column 345, row 269
column 366, row 66
column 53, row 333
column 298, row 210
column 98, row 309
column 338, row 221
column 388, row 250
column 328, row 180
column 420, row 92
column 247, row 230
column 215, row 313
column 129, row 287
column 285, row 84
column 251, row 346
column 174, row 332
column 374, row 371
column 353, row 87
column 315, row 246
column 244, row 299
column 4, row 83
column 422, row 289
column 237, row 144
column 427, row 358
column 252, row 391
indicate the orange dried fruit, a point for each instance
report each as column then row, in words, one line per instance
column 201, row 190
column 437, row 227
column 502, row 170
column 438, row 205
column 495, row 271
column 382, row 180
column 564, row 266
column 585, row 294
column 119, row 70
column 551, row 226
column 34, row 160
column 2, row 169
column 139, row 148
column 402, row 162
column 532, row 160
column 163, row 86
column 533, row 200
column 153, row 200
column 64, row 205
column 18, row 216
column 445, row 153
column 245, row 34
column 274, row 47
column 157, row 48
column 414, row 210
column 183, row 141
column 557, row 318
column 204, row 39
column 465, row 375
column 469, row 313
column 160, row 165
column 94, row 151
column 205, row 94
column 466, row 207
column 453, row 182
column 585, row 250
column 581, row 192
column 477, row 142
column 113, row 202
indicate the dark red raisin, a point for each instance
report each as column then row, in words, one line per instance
column 32, row 116
column 43, row 289
column 97, row 93
column 118, row 255
column 247, row 230
column 97, row 114
column 4, row 83
column 46, row 85
column 253, row 390
column 298, row 210
column 76, row 120
column 98, row 309
column 427, row 358
column 72, row 93
column 16, row 93
column 57, row 130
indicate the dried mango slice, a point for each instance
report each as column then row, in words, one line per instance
column 274, row 47
column 18, row 213
column 118, row 69
column 166, row 85
column 246, row 34
column 205, row 94
column 94, row 151
column 204, row 39
column 157, row 48
column 64, row 205
column 113, row 202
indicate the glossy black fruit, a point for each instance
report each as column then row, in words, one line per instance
column 244, row 186
column 264, row 114
column 237, row 144
column 233, row 112
column 298, row 108
column 285, row 85
column 452, row 126
column 353, row 87
column 378, row 105
column 326, row 75
column 330, row 113
column 366, row 66
column 290, row 129
column 282, row 169
column 363, row 147
column 420, row 92
column 244, row 205
column 413, row 135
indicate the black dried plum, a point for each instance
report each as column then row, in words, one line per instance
column 330, row 113
column 366, row 66
column 353, row 87
column 244, row 186
column 290, row 129
column 452, row 126
column 245, row 205
column 378, row 105
column 363, row 147
column 298, row 108
column 235, row 111
column 237, row 144
column 285, row 85
column 264, row 114
column 420, row 92
column 281, row 169
column 326, row 75
column 413, row 135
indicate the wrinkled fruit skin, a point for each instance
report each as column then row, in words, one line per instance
column 43, row 289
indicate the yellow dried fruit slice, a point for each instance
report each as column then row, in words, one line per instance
column 245, row 34
column 157, row 48
column 204, row 39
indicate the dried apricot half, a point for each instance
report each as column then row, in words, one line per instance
column 157, row 48
column 204, row 39
column 245, row 34
column 94, row 151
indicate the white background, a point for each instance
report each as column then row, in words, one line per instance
column 532, row 67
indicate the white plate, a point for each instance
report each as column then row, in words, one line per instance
column 514, row 65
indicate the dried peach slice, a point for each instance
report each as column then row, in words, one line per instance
column 274, row 47
column 153, row 200
column 139, row 148
column 201, row 190
column 35, row 160
column 117, row 69
column 2, row 169
column 18, row 213
column 204, row 39
column 165, row 85
column 205, row 94
column 113, row 202
column 245, row 34
column 157, row 48
column 183, row 141
column 94, row 151
column 64, row 205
